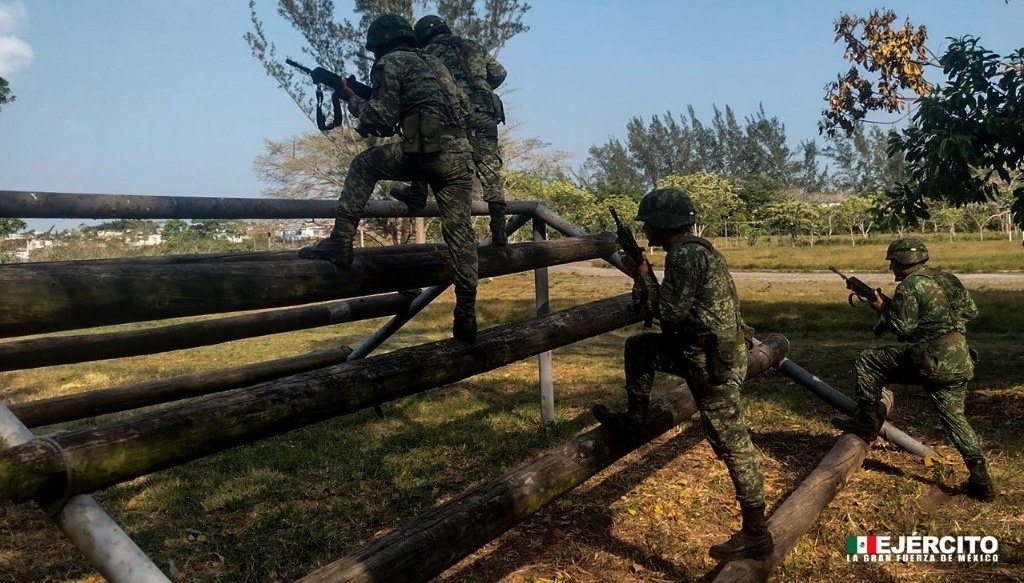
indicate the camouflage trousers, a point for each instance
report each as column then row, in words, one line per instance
column 721, row 412
column 878, row 367
column 450, row 173
column 484, row 138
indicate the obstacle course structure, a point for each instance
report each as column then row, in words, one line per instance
column 215, row 410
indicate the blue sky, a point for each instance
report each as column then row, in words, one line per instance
column 162, row 97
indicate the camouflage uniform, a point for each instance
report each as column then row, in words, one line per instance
column 414, row 92
column 702, row 342
column 929, row 310
column 478, row 74
column 407, row 82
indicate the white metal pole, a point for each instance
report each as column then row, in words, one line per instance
column 540, row 279
column 114, row 554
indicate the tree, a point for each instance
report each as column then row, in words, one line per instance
column 10, row 226
column 331, row 44
column 966, row 142
column 5, row 92
column 966, row 139
column 856, row 214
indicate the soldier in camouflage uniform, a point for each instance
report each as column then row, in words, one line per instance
column 415, row 93
column 702, row 340
column 479, row 74
column 928, row 312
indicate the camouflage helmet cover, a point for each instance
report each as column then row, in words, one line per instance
column 429, row 26
column 386, row 29
column 907, row 251
column 667, row 208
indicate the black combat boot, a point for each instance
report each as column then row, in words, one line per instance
column 753, row 541
column 497, row 212
column 464, row 316
column 632, row 422
column 414, row 196
column 979, row 484
column 337, row 248
column 866, row 421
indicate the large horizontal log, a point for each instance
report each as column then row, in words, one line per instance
column 109, row 454
column 38, row 298
column 220, row 257
column 52, row 350
column 433, row 542
column 798, row 513
column 115, row 399
column 78, row 205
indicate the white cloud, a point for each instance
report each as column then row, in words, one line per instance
column 13, row 16
column 15, row 54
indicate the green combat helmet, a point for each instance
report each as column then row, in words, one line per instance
column 428, row 27
column 907, row 251
column 387, row 29
column 667, row 208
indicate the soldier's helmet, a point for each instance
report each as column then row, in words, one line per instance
column 387, row 29
column 667, row 208
column 907, row 251
column 429, row 26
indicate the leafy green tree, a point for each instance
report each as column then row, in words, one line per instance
column 10, row 226
column 5, row 93
column 965, row 143
column 857, row 215
column 793, row 218
column 609, row 171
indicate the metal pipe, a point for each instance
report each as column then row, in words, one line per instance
column 106, row 546
column 840, row 402
column 544, row 372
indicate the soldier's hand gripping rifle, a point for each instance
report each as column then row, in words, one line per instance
column 635, row 253
column 865, row 294
column 323, row 77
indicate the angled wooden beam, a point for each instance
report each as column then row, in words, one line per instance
column 86, row 460
column 433, row 542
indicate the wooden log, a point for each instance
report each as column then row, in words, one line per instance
column 112, row 453
column 795, row 516
column 219, row 257
column 52, row 350
column 113, row 399
column 38, row 298
column 79, row 205
column 433, row 542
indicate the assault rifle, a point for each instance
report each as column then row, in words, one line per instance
column 327, row 78
column 323, row 77
column 624, row 237
column 864, row 294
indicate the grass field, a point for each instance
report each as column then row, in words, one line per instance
column 276, row 510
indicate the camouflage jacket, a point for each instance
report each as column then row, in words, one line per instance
column 929, row 303
column 407, row 81
column 697, row 296
column 931, row 308
column 475, row 70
